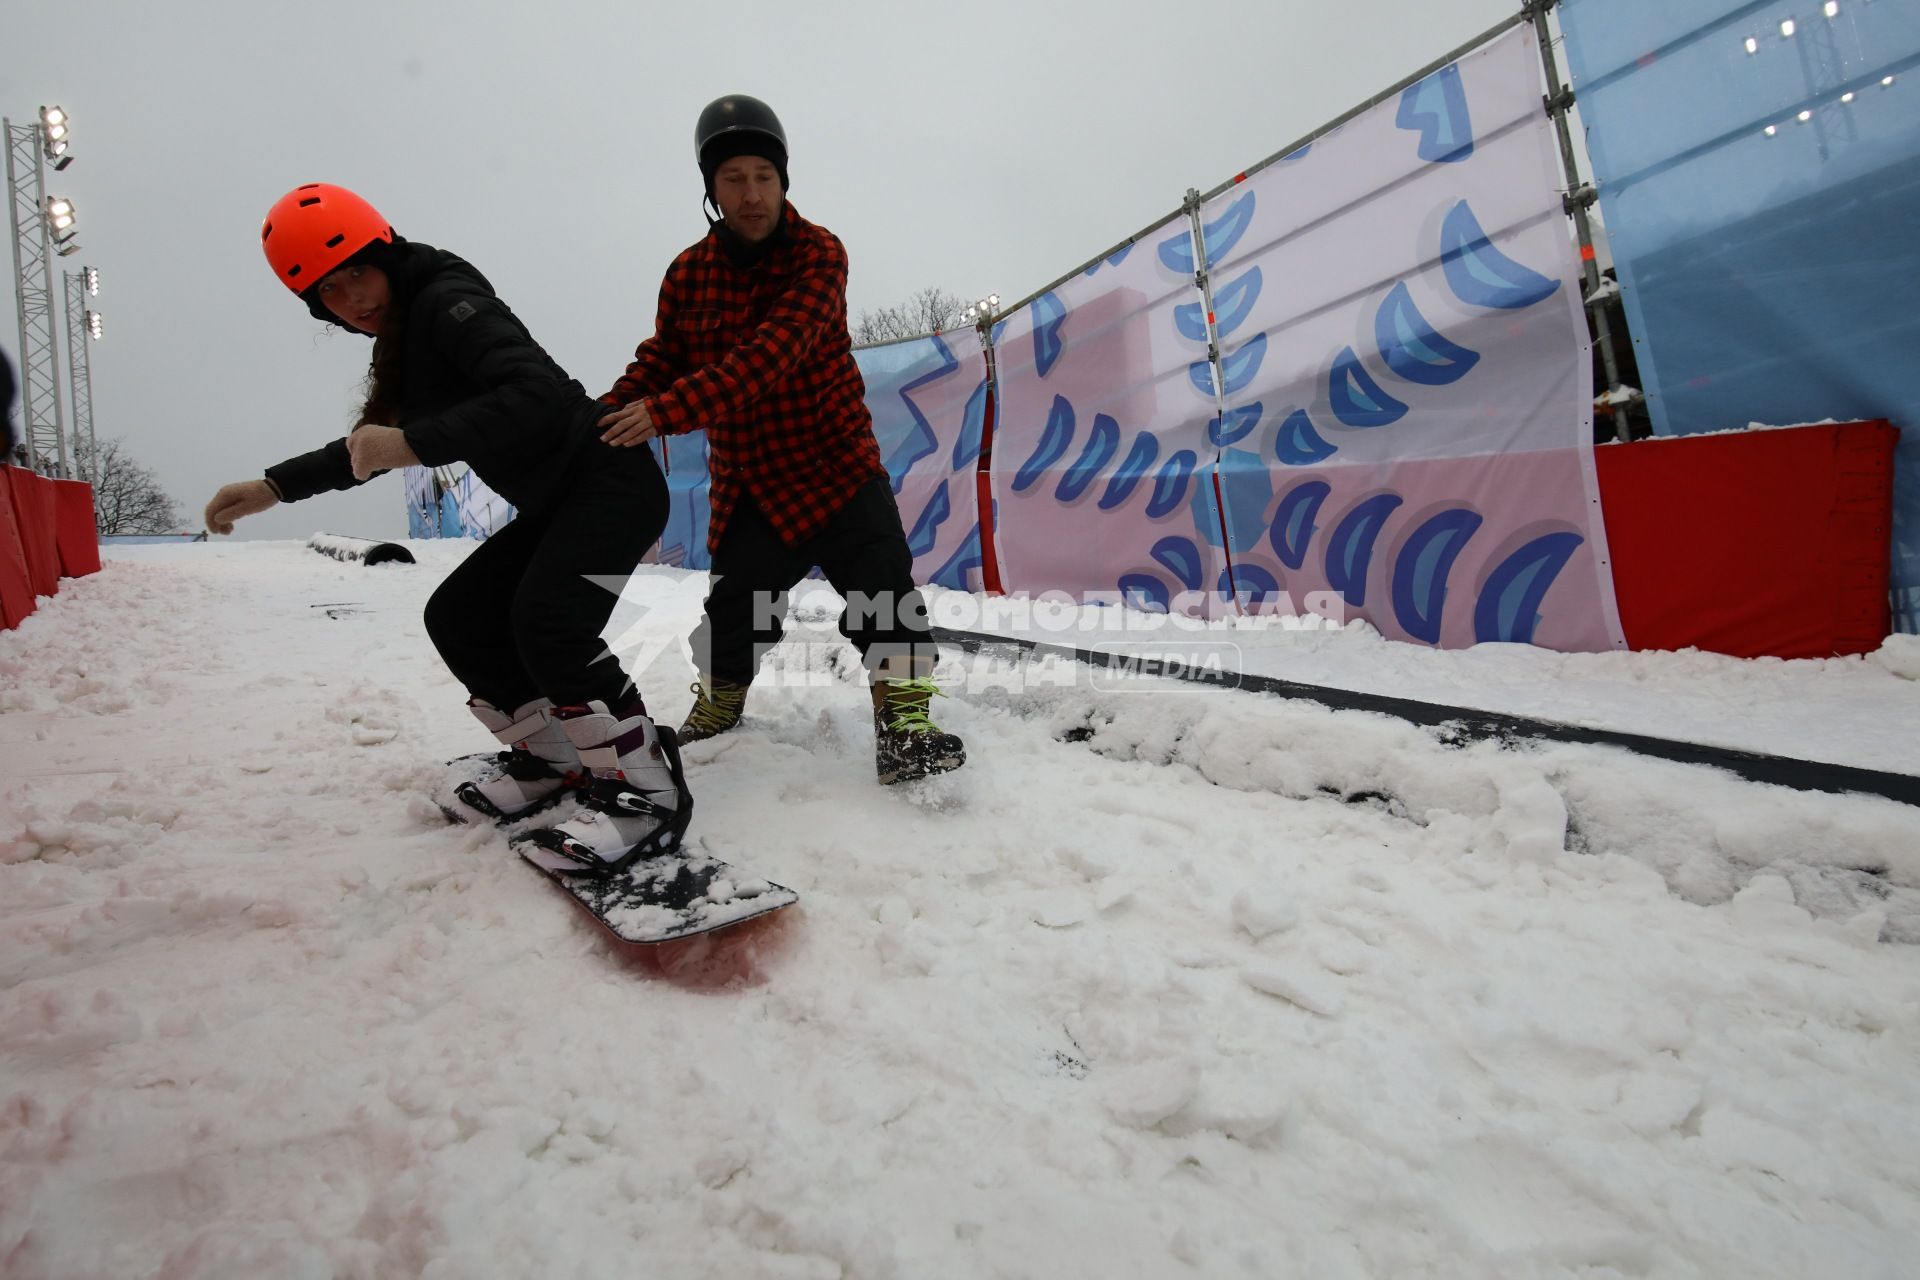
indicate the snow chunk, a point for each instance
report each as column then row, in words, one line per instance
column 1310, row 993
column 1146, row 1095
column 1900, row 655
column 1263, row 912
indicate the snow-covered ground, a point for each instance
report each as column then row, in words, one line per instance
column 1166, row 982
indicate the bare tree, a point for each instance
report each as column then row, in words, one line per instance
column 929, row 311
column 127, row 497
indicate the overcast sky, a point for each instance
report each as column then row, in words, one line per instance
column 983, row 147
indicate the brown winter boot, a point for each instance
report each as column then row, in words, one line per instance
column 716, row 708
column 906, row 742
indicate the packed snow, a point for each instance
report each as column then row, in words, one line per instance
column 1168, row 981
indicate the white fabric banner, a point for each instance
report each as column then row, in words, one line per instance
column 1406, row 369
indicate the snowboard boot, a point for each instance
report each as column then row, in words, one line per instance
column 906, row 742
column 714, row 710
column 637, row 803
column 538, row 768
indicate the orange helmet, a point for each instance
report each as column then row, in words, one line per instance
column 314, row 228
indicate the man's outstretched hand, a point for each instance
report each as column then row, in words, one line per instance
column 629, row 425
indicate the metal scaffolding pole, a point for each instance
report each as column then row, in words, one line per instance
column 82, row 324
column 44, row 424
column 1580, row 197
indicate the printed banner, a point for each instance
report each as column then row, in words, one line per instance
column 928, row 398
column 1405, row 367
column 450, row 502
column 1102, row 472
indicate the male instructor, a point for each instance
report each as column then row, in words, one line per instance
column 750, row 344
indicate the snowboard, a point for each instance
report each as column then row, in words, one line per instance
column 659, row 899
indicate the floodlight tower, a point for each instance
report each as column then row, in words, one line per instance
column 83, row 329
column 42, row 227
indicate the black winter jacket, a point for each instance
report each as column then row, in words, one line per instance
column 474, row 387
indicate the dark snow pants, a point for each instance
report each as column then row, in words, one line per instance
column 520, row 618
column 862, row 550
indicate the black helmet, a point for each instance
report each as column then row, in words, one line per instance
column 737, row 125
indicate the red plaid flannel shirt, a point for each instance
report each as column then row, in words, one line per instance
column 760, row 358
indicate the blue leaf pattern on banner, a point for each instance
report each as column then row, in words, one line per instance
column 1190, row 321
column 1053, row 444
column 1112, row 260
column 973, row 429
column 1420, row 572
column 1049, row 313
column 1239, row 425
column 1350, row 549
column 954, row 572
column 1357, row 399
column 1231, row 307
column 1233, row 304
column 1238, row 368
column 1509, row 604
column 1102, row 443
column 1437, row 107
column 1200, row 374
column 1298, row 444
column 1170, row 486
column 1146, row 447
column 1412, row 348
column 1293, row 525
column 1480, row 274
column 1182, row 557
column 1145, row 591
column 1250, row 584
column 926, row 529
column 1176, row 252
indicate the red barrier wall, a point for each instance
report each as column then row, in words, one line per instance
column 75, row 534
column 46, row 533
column 33, row 505
column 1753, row 543
column 17, row 598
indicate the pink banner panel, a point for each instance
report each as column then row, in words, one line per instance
column 1102, row 472
column 1401, row 293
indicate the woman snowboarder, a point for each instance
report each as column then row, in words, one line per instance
column 456, row 376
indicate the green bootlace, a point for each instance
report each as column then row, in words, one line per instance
column 910, row 705
column 715, row 712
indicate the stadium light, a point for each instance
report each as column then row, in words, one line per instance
column 93, row 282
column 1786, row 27
column 1833, row 8
column 53, row 136
column 1753, row 46
column 93, row 325
column 982, row 311
column 59, row 212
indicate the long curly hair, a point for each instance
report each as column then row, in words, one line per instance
column 381, row 406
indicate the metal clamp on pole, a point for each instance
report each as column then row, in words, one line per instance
column 1580, row 197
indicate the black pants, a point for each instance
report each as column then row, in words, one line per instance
column 862, row 551
column 520, row 619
